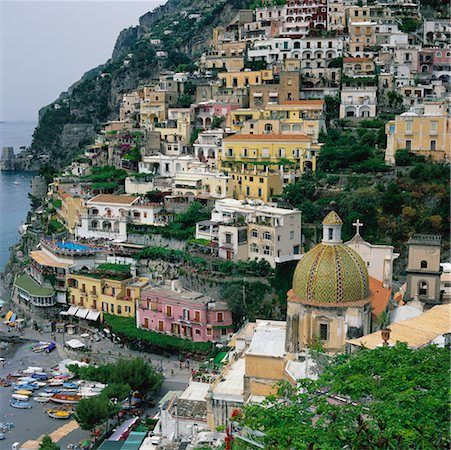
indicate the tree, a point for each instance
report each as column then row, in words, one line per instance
column 93, row 411
column 397, row 398
column 137, row 373
column 48, row 444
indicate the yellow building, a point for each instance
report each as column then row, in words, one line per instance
column 106, row 293
column 244, row 79
column 72, row 207
column 293, row 117
column 260, row 164
column 424, row 130
column 154, row 106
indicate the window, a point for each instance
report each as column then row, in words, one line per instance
column 254, row 233
column 409, row 127
column 267, row 250
column 196, row 316
column 254, row 248
column 104, row 307
column 160, row 325
column 260, row 180
column 259, row 192
column 433, row 127
column 228, row 238
column 197, row 331
column 208, row 332
column 424, row 264
column 291, row 235
column 220, row 317
column 119, row 309
column 166, row 167
column 186, row 314
column 296, row 250
column 422, row 288
column 331, row 233
column 267, row 235
column 323, row 331
column 230, row 152
column 248, row 190
column 408, row 145
column 169, row 311
column 433, row 145
column 127, row 309
column 112, row 308
column 223, row 332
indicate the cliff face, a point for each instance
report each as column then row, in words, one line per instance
column 96, row 97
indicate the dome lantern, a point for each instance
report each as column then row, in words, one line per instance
column 332, row 224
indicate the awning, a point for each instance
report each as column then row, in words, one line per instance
column 273, row 94
column 82, row 313
column 258, row 94
column 72, row 310
column 93, row 315
column 75, row 343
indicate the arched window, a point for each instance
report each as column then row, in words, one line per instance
column 254, row 233
column 422, row 288
column 267, row 235
column 331, row 233
column 297, row 44
column 268, row 127
column 424, row 264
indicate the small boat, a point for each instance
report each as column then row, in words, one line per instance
column 17, row 183
column 5, row 383
column 65, row 398
column 57, row 414
column 23, row 392
column 25, row 380
column 46, row 394
column 70, row 385
column 52, row 391
column 40, row 376
column 24, row 398
column 20, row 405
column 41, row 384
column 14, row 375
column 26, row 386
column 41, row 399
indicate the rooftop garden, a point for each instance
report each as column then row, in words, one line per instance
column 118, row 272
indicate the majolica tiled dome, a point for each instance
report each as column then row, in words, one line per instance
column 331, row 275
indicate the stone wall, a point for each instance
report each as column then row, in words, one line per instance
column 156, row 240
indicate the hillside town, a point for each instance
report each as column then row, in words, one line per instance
column 188, row 227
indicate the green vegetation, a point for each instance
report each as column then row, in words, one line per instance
column 110, row 267
column 106, row 174
column 361, row 150
column 93, row 411
column 56, row 202
column 48, row 444
column 150, row 341
column 402, row 400
column 182, row 228
column 256, row 268
column 55, row 227
column 136, row 373
column 409, row 25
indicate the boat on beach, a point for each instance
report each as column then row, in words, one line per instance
column 70, row 385
column 23, row 392
column 57, row 414
column 20, row 404
column 22, row 397
column 66, row 398
column 41, row 399
column 26, row 386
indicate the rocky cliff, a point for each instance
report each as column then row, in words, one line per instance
column 95, row 98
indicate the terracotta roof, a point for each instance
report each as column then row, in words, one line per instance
column 116, row 199
column 416, row 332
column 379, row 296
column 356, row 59
column 268, row 137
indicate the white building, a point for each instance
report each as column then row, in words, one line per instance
column 207, row 147
column 358, row 101
column 254, row 230
column 166, row 165
column 313, row 52
column 200, row 181
column 107, row 216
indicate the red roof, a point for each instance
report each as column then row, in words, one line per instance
column 379, row 296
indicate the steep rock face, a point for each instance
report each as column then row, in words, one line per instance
column 74, row 135
column 96, row 97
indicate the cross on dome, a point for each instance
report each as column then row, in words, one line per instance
column 357, row 224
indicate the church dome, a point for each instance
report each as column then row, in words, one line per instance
column 331, row 274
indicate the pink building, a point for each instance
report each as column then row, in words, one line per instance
column 186, row 314
column 205, row 112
